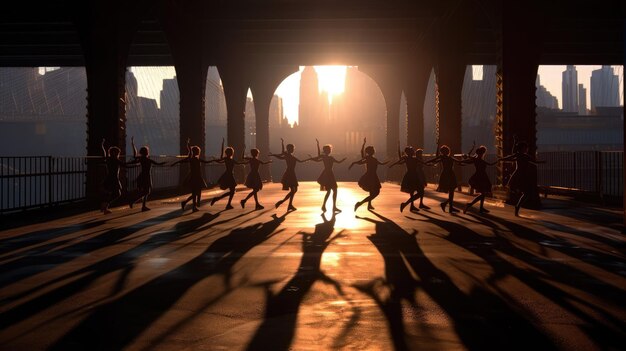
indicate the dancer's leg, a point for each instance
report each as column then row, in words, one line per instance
column 335, row 201
column 521, row 201
column 325, row 199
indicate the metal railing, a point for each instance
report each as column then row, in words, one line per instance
column 27, row 182
column 42, row 181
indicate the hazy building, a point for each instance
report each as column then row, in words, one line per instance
column 544, row 98
column 38, row 106
column 582, row 100
column 604, row 88
column 478, row 106
column 309, row 105
column 276, row 112
column 570, row 89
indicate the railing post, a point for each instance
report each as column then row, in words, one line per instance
column 49, row 172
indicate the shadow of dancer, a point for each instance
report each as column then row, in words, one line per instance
column 471, row 313
column 281, row 312
column 116, row 324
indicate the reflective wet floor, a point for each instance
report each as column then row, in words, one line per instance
column 274, row 280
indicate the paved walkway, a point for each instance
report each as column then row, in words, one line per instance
column 271, row 280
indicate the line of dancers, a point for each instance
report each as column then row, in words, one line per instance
column 413, row 182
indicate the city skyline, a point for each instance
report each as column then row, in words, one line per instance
column 332, row 79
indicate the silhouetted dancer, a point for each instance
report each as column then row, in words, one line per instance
column 111, row 185
column 413, row 181
column 289, row 179
column 194, row 180
column 369, row 180
column 523, row 179
column 479, row 181
column 447, row 179
column 253, row 180
column 144, row 180
column 326, row 180
column 227, row 179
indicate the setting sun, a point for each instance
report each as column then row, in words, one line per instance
column 332, row 79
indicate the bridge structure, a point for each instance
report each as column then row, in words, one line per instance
column 256, row 44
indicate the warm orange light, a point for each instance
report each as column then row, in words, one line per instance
column 332, row 79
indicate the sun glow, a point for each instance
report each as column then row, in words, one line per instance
column 332, row 79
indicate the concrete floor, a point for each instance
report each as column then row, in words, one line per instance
column 271, row 280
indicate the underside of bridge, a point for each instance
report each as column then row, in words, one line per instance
column 256, row 44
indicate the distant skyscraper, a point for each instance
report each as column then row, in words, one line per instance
column 215, row 102
column 582, row 100
column 604, row 88
column 570, row 89
column 544, row 98
column 308, row 110
column 276, row 112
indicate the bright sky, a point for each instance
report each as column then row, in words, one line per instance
column 332, row 80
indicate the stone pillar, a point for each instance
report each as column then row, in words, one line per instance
column 450, row 77
column 105, row 37
column 415, row 93
column 264, row 81
column 521, row 51
column 235, row 80
column 184, row 32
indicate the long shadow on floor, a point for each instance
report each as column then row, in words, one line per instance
column 114, row 325
column 604, row 331
column 123, row 262
column 481, row 319
column 281, row 312
column 48, row 256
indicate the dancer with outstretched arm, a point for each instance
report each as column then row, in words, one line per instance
column 253, row 180
column 523, row 179
column 447, row 179
column 413, row 183
column 194, row 180
column 144, row 180
column 479, row 181
column 369, row 180
column 112, row 187
column 227, row 179
column 289, row 179
column 326, row 180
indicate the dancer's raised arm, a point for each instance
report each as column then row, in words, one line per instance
column 186, row 159
column 471, row 152
column 363, row 148
column 104, row 150
column 319, row 152
column 282, row 146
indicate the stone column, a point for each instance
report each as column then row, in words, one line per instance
column 521, row 51
column 415, row 93
column 236, row 81
column 105, row 37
